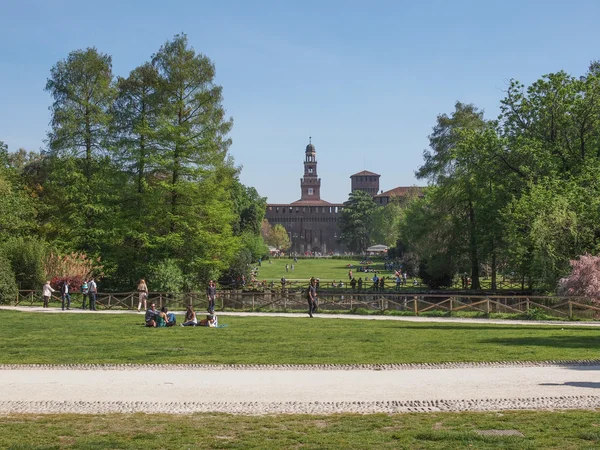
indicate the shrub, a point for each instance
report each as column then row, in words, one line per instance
column 584, row 280
column 166, row 276
column 73, row 266
column 27, row 258
column 8, row 284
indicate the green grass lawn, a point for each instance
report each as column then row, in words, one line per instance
column 324, row 268
column 541, row 430
column 33, row 338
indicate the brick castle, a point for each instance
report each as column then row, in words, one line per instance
column 312, row 223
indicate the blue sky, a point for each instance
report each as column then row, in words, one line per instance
column 365, row 79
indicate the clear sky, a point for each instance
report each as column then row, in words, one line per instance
column 365, row 79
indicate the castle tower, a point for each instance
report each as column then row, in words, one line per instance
column 310, row 184
column 365, row 181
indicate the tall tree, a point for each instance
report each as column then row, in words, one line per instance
column 82, row 185
column 451, row 170
column 356, row 221
column 82, row 89
column 192, row 216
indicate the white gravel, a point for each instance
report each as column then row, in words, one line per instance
column 255, row 391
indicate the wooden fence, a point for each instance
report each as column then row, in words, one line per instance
column 295, row 300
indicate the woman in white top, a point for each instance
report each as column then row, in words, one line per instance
column 190, row 318
column 143, row 294
column 47, row 293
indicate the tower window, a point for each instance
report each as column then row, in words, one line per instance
column 310, row 191
column 310, row 170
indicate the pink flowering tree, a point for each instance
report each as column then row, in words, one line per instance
column 584, row 280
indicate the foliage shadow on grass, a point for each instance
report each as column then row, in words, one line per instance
column 584, row 384
column 483, row 326
column 550, row 341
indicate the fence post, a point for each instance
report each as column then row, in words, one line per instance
column 415, row 306
column 527, row 304
column 570, row 310
column 451, row 298
column 487, row 306
column 252, row 302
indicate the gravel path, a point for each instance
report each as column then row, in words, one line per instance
column 269, row 390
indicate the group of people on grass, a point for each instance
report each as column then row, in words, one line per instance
column 163, row 318
column 89, row 291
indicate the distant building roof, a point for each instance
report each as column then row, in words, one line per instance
column 365, row 173
column 378, row 248
column 402, row 191
column 314, row 203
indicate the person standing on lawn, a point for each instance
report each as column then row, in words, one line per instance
column 65, row 294
column 84, row 293
column 142, row 289
column 312, row 297
column 93, row 290
column 211, row 293
column 47, row 293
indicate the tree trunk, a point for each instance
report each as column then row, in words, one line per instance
column 494, row 269
column 475, row 283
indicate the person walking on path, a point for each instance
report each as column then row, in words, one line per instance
column 47, row 293
column 84, row 293
column 211, row 293
column 142, row 289
column 65, row 295
column 93, row 290
column 312, row 297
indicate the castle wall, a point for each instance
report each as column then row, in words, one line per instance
column 312, row 228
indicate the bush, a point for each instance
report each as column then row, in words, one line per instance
column 166, row 276
column 436, row 273
column 8, row 284
column 584, row 280
column 27, row 258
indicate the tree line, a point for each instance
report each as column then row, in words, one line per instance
column 517, row 196
column 136, row 176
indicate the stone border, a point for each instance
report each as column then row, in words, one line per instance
column 259, row 408
column 417, row 366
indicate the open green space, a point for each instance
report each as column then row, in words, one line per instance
column 324, row 268
column 548, row 430
column 65, row 338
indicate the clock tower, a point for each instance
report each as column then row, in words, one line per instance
column 310, row 183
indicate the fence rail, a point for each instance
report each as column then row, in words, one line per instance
column 295, row 299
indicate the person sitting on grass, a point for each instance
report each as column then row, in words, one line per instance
column 165, row 318
column 211, row 321
column 190, row 317
column 151, row 316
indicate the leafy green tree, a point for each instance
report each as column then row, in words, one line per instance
column 17, row 208
column 190, row 216
column 356, row 221
column 83, row 183
column 386, row 220
column 83, row 93
column 278, row 237
column 453, row 167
